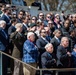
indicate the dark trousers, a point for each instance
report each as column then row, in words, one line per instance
column 64, row 72
column 4, row 64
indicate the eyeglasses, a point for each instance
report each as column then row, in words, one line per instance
column 41, row 15
column 21, row 14
column 48, row 17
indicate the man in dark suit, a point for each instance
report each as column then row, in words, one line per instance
column 63, row 55
column 6, row 17
column 3, row 36
column 48, row 59
column 12, row 28
column 20, row 15
column 56, row 39
column 3, row 46
column 41, row 42
column 25, row 24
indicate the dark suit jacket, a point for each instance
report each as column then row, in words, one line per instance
column 18, row 40
column 11, row 30
column 3, row 39
column 7, row 20
column 41, row 44
column 48, row 60
column 55, row 43
column 62, row 57
column 24, row 29
column 19, row 20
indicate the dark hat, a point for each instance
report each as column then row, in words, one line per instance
column 75, row 46
column 32, row 24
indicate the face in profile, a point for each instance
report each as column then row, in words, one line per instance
column 65, row 42
column 66, row 24
column 50, row 48
column 32, row 37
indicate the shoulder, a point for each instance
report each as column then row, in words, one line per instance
column 3, row 16
column 53, row 39
column 44, row 54
column 39, row 39
column 0, row 28
column 60, row 47
column 27, row 42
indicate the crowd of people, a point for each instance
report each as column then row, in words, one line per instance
column 42, row 41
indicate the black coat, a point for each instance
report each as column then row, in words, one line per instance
column 55, row 43
column 63, row 60
column 7, row 20
column 41, row 44
column 48, row 61
column 3, row 39
column 11, row 30
column 41, row 47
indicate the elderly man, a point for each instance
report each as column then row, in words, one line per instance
column 48, row 59
column 30, row 54
column 18, row 39
column 63, row 55
column 3, row 36
column 3, row 46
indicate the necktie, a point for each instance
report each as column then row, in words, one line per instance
column 58, row 40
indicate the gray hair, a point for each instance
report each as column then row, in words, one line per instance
column 47, row 45
column 29, row 34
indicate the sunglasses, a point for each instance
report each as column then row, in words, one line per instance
column 41, row 15
column 21, row 14
column 33, row 19
column 48, row 17
column 50, row 23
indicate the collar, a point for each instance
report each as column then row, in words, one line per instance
column 43, row 38
column 56, row 37
column 25, row 25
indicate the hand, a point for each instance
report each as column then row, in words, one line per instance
column 28, row 29
column 19, row 29
column 54, row 60
column 69, row 53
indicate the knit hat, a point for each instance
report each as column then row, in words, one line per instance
column 32, row 24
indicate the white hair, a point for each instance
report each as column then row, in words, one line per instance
column 29, row 34
column 47, row 45
column 8, row 5
column 2, row 22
